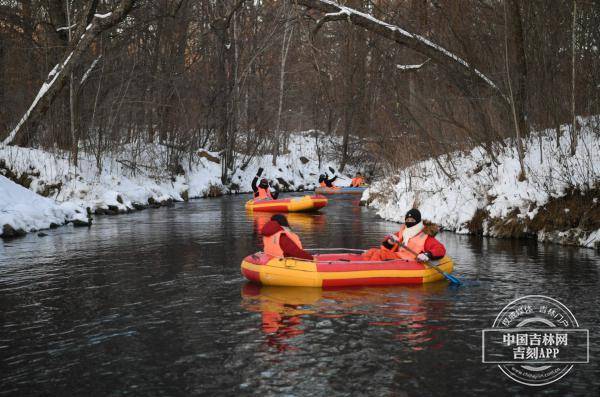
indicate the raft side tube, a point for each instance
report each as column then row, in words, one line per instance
column 339, row 270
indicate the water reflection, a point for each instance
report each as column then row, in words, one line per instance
column 413, row 314
column 300, row 222
column 280, row 310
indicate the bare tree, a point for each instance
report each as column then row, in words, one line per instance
column 517, row 97
column 573, row 146
column 288, row 32
column 60, row 73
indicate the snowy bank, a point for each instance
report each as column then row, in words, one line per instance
column 138, row 175
column 22, row 211
column 469, row 193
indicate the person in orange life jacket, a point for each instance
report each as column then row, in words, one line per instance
column 324, row 180
column 262, row 191
column 280, row 241
column 357, row 181
column 413, row 235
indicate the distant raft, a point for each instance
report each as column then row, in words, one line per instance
column 340, row 190
column 292, row 204
column 339, row 270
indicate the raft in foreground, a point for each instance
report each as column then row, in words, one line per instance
column 340, row 190
column 292, row 204
column 339, row 270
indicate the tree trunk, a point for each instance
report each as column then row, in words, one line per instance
column 223, row 97
column 72, row 97
column 573, row 148
column 285, row 45
column 225, row 64
column 520, row 94
column 349, row 92
column 517, row 101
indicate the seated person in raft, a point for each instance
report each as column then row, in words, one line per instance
column 262, row 191
column 279, row 240
column 357, row 181
column 414, row 241
column 324, row 181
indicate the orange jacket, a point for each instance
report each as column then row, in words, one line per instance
column 282, row 242
column 264, row 194
column 357, row 182
column 415, row 244
column 272, row 246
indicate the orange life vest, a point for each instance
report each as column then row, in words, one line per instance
column 357, row 182
column 272, row 246
column 415, row 244
column 264, row 194
column 323, row 184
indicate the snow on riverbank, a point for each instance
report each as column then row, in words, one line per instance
column 137, row 176
column 479, row 192
column 22, row 210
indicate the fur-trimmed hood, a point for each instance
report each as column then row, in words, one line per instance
column 430, row 229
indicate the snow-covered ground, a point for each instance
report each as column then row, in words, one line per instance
column 477, row 184
column 23, row 210
column 127, row 182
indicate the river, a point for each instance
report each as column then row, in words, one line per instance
column 152, row 303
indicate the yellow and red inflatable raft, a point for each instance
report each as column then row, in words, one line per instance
column 291, row 204
column 339, row 270
column 340, row 190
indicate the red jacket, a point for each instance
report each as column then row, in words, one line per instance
column 289, row 248
column 434, row 248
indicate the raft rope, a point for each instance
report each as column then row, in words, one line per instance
column 335, row 249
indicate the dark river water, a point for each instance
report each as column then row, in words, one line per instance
column 153, row 304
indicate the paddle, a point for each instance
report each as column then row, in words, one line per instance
column 341, row 177
column 449, row 277
column 334, row 173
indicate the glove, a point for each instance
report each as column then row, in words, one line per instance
column 390, row 241
column 387, row 244
column 260, row 171
column 393, row 238
column 423, row 257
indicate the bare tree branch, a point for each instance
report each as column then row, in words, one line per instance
column 413, row 41
column 59, row 75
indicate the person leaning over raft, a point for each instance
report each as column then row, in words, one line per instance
column 280, row 241
column 414, row 235
column 324, row 180
column 357, row 181
column 262, row 191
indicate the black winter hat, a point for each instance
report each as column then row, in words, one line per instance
column 264, row 183
column 281, row 219
column 415, row 214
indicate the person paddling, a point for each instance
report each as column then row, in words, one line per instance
column 262, row 191
column 324, row 180
column 357, row 181
column 412, row 241
column 279, row 240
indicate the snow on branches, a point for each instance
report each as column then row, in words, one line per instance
column 418, row 43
